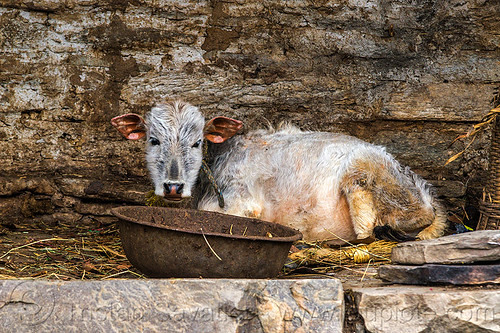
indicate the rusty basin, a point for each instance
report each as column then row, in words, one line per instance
column 173, row 242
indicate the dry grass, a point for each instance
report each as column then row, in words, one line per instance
column 325, row 260
column 63, row 253
column 488, row 119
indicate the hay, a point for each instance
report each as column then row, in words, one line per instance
column 64, row 253
column 323, row 259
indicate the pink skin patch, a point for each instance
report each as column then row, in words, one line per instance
column 134, row 136
column 217, row 139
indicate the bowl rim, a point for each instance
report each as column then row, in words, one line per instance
column 297, row 235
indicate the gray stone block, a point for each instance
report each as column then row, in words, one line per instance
column 439, row 274
column 464, row 248
column 174, row 305
column 411, row 309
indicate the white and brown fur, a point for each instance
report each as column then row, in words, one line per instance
column 326, row 185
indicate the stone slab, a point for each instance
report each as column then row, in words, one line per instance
column 417, row 309
column 469, row 247
column 437, row 274
column 173, row 305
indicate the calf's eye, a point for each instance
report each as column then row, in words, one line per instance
column 154, row 141
column 197, row 144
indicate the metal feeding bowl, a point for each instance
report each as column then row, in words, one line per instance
column 173, row 242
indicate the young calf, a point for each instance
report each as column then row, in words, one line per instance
column 326, row 185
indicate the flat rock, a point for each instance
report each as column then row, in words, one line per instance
column 417, row 309
column 174, row 305
column 470, row 247
column 433, row 274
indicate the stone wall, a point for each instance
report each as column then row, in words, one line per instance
column 410, row 75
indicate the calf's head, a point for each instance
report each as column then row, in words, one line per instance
column 174, row 133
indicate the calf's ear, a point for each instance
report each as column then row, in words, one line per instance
column 219, row 129
column 131, row 126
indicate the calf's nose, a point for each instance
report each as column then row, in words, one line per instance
column 173, row 188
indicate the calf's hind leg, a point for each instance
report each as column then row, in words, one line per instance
column 362, row 211
column 438, row 225
column 364, row 219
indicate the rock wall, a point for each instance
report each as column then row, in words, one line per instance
column 405, row 74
